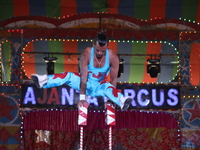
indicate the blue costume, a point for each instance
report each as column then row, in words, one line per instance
column 96, row 84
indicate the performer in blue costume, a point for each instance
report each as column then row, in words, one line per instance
column 95, row 64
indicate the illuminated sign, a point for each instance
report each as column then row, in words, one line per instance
column 144, row 97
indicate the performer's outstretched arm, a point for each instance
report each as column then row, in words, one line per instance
column 83, row 64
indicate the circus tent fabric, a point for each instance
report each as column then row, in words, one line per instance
column 148, row 9
column 167, row 25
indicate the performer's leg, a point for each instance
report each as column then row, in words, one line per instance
column 49, row 81
column 108, row 90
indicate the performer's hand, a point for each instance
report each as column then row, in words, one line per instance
column 109, row 102
column 83, row 103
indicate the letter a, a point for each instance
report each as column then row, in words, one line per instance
column 30, row 97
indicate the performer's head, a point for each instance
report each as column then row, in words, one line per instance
column 100, row 44
column 101, row 38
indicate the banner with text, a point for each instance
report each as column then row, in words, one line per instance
column 144, row 97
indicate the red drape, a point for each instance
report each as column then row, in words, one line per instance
column 133, row 130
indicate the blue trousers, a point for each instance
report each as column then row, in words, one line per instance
column 94, row 87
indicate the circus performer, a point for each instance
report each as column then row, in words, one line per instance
column 95, row 64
